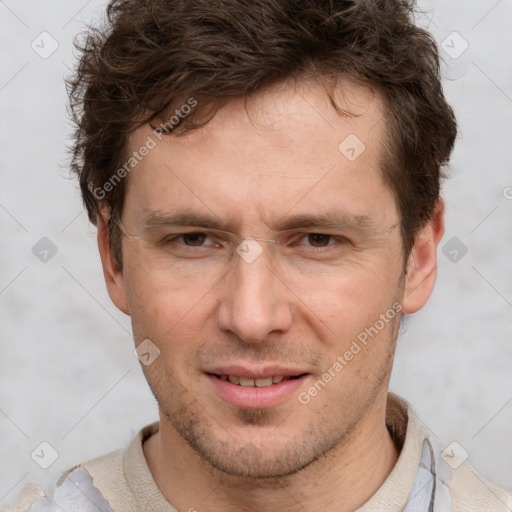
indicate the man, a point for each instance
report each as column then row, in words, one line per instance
column 265, row 180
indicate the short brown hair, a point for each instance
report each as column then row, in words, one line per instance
column 152, row 52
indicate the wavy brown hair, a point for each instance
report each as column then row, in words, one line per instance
column 149, row 54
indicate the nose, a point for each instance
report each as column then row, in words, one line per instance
column 256, row 302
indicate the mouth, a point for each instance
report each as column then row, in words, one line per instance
column 251, row 389
column 262, row 382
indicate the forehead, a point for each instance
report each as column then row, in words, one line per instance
column 283, row 149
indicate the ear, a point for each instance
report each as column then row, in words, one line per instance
column 422, row 263
column 114, row 278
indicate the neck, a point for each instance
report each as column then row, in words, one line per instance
column 341, row 480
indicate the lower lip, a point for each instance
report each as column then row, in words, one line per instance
column 253, row 397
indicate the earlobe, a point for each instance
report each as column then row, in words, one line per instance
column 114, row 278
column 422, row 263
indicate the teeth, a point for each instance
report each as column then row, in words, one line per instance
column 248, row 383
column 263, row 383
column 233, row 379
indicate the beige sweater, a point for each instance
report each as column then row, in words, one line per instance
column 124, row 479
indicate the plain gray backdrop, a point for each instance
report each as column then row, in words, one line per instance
column 68, row 376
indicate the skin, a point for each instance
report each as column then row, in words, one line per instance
column 253, row 167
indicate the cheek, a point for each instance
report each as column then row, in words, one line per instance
column 159, row 304
column 352, row 297
column 174, row 308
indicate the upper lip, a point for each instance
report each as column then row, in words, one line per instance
column 256, row 373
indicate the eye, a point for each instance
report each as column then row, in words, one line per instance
column 319, row 245
column 192, row 239
column 318, row 239
column 183, row 243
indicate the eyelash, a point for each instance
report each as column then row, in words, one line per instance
column 332, row 238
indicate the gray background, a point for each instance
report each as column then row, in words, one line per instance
column 67, row 372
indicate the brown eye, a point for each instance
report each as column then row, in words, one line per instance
column 318, row 239
column 194, row 239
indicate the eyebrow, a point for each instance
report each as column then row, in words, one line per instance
column 337, row 219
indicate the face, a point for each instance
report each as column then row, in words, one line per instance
column 249, row 338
